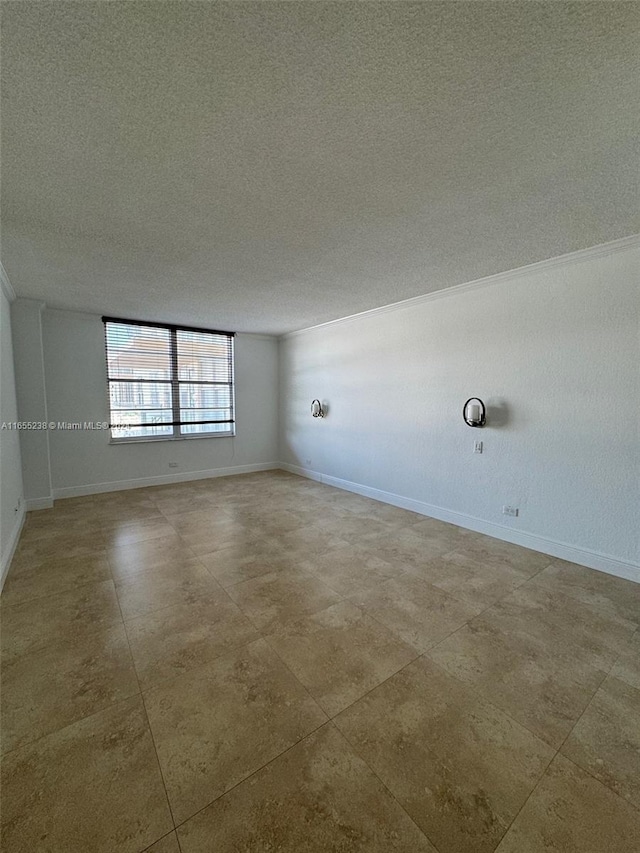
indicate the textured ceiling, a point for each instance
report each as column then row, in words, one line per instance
column 268, row 166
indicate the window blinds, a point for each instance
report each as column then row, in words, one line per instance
column 168, row 381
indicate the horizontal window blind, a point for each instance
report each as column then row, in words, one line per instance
column 168, row 381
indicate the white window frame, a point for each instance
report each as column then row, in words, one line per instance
column 175, row 383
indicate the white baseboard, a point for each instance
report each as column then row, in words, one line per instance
column 12, row 544
column 162, row 480
column 590, row 559
column 308, row 473
column 38, row 503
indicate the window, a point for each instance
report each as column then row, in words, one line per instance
column 167, row 382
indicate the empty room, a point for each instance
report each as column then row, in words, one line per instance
column 319, row 427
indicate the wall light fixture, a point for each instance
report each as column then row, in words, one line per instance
column 474, row 412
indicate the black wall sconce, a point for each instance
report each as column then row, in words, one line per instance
column 316, row 409
column 474, row 412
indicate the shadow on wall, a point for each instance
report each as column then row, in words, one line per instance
column 498, row 414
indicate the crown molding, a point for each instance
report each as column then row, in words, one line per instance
column 7, row 287
column 623, row 244
column 260, row 336
column 80, row 315
column 87, row 315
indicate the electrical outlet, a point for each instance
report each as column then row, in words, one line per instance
column 510, row 510
column 478, row 447
column 173, row 464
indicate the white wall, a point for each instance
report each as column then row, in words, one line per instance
column 26, row 321
column 11, row 492
column 554, row 351
column 84, row 461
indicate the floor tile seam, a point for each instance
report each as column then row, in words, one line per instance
column 252, row 774
column 415, row 574
column 416, row 570
column 362, row 758
column 459, row 599
column 447, row 593
column 519, row 572
column 55, row 643
column 527, row 798
column 634, row 808
column 235, row 583
column 603, row 610
column 483, row 697
column 345, row 597
column 191, row 555
column 126, row 634
column 140, row 541
column 168, row 679
column 71, row 587
column 158, row 765
column 193, row 600
column 91, row 631
column 27, row 537
column 201, row 528
column 72, row 723
column 481, row 694
column 607, row 609
column 162, row 838
column 400, row 669
column 153, row 741
column 555, row 751
column 122, row 580
column 331, row 717
column 532, row 636
column 622, row 652
column 268, row 630
column 275, row 571
column 163, row 534
column 419, row 652
column 265, row 637
column 191, row 493
column 133, row 660
column 38, row 562
column 586, row 769
column 169, row 515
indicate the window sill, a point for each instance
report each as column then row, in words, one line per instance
column 161, row 438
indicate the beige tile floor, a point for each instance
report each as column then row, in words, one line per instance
column 263, row 663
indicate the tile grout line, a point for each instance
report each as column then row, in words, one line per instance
column 473, row 689
column 5, row 605
column 162, row 838
column 331, row 719
column 200, row 597
column 556, row 753
column 386, row 788
column 586, row 708
column 516, row 722
column 260, row 631
column 68, row 725
column 634, row 808
column 253, row 773
column 146, row 714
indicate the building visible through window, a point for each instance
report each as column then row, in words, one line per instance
column 168, row 382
